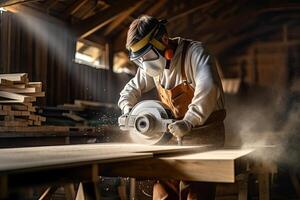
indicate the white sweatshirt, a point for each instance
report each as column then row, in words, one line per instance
column 201, row 72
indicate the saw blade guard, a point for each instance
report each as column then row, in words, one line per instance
column 147, row 122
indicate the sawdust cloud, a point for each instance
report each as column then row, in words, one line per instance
column 273, row 122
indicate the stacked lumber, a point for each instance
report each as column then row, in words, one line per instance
column 17, row 98
column 81, row 112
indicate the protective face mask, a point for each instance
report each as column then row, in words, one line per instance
column 154, row 67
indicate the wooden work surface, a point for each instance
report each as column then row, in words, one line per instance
column 52, row 156
column 178, row 162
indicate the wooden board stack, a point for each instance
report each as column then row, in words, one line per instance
column 17, row 96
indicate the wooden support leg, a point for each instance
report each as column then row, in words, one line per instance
column 48, row 193
column 80, row 193
column 295, row 181
column 122, row 190
column 132, row 188
column 90, row 190
column 69, row 191
column 242, row 181
column 3, row 187
column 263, row 184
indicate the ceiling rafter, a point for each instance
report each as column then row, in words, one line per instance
column 92, row 24
column 191, row 9
column 71, row 10
column 238, row 20
column 49, row 4
column 6, row 3
column 123, row 16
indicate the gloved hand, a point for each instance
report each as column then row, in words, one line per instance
column 126, row 110
column 180, row 128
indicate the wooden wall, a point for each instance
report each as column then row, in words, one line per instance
column 96, row 84
column 47, row 55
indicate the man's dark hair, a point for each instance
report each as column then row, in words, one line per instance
column 140, row 27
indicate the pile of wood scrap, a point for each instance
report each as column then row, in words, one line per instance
column 81, row 112
column 17, row 98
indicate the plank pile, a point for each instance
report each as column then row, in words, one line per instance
column 17, row 98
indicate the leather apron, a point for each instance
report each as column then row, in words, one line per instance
column 211, row 132
column 179, row 98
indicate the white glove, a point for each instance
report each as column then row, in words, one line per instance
column 180, row 128
column 126, row 110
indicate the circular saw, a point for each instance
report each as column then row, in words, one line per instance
column 148, row 122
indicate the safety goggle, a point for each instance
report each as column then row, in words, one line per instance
column 151, row 54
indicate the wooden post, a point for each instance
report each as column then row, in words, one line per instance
column 109, row 63
column 69, row 191
column 264, row 186
column 109, row 55
column 132, row 188
column 90, row 190
column 3, row 187
column 80, row 193
column 242, row 181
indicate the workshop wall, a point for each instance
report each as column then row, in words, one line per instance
column 50, row 59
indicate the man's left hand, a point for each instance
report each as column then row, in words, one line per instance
column 180, row 128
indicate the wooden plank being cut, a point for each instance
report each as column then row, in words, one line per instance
column 210, row 166
column 56, row 156
column 19, row 97
column 117, row 160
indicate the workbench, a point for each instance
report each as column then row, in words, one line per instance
column 52, row 165
column 58, row 135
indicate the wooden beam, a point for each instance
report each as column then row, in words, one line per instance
column 74, row 7
column 92, row 24
column 123, row 17
column 156, row 7
column 50, row 3
column 5, row 3
column 220, row 47
column 237, row 20
column 191, row 9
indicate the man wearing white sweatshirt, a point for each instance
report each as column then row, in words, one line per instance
column 186, row 78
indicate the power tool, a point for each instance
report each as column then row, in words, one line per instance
column 148, row 122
